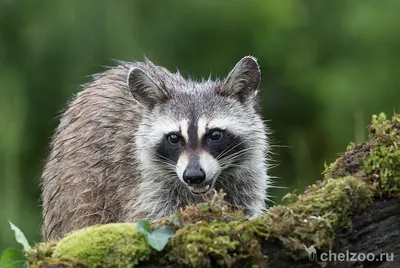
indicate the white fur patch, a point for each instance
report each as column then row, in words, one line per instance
column 163, row 127
column 229, row 123
column 201, row 127
column 209, row 165
column 185, row 130
column 183, row 161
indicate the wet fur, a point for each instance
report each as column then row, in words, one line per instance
column 101, row 167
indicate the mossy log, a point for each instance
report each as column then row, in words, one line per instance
column 354, row 209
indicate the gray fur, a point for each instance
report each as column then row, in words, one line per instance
column 101, row 167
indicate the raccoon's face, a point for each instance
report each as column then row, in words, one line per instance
column 199, row 150
column 197, row 132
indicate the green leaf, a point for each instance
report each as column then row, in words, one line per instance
column 20, row 237
column 12, row 258
column 143, row 226
column 158, row 239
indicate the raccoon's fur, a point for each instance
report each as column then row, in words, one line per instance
column 141, row 142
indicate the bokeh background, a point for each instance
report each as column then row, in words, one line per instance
column 327, row 67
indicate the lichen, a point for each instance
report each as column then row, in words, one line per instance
column 217, row 234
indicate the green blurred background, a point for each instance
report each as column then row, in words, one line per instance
column 327, row 67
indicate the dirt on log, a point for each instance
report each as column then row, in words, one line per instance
column 351, row 218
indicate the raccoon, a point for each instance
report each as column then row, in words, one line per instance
column 140, row 142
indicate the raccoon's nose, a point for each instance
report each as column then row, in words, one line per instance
column 194, row 176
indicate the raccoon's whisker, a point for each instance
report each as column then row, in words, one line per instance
column 168, row 166
column 158, row 158
column 237, row 154
column 163, row 157
column 225, row 165
column 228, row 149
column 166, row 159
column 165, row 163
column 242, row 150
column 280, row 146
column 228, row 161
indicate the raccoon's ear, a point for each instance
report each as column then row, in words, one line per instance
column 144, row 89
column 243, row 81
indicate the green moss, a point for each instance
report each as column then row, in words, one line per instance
column 383, row 162
column 43, row 250
column 59, row 263
column 223, row 242
column 215, row 233
column 377, row 160
column 313, row 217
column 309, row 219
column 107, row 245
column 41, row 256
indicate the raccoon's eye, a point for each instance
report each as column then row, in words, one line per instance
column 173, row 139
column 215, row 135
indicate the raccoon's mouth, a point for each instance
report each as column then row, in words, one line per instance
column 200, row 188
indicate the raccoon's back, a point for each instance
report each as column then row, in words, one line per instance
column 91, row 164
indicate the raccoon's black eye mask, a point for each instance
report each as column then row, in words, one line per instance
column 221, row 144
column 218, row 143
column 214, row 135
